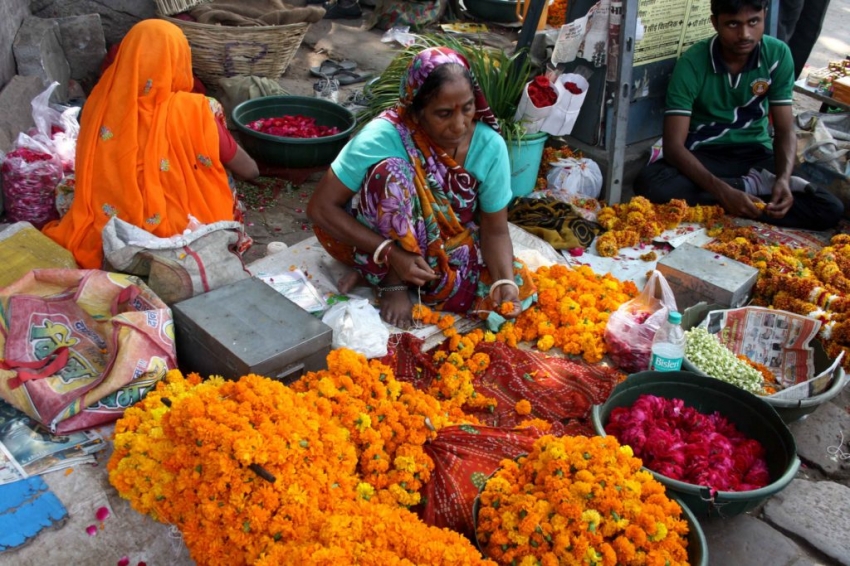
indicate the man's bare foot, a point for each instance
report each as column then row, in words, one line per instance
column 348, row 282
column 396, row 308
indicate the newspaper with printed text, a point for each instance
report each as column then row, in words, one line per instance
column 27, row 448
column 780, row 340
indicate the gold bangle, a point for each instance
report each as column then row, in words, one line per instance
column 501, row 282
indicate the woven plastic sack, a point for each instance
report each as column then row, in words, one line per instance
column 79, row 346
column 631, row 328
column 180, row 267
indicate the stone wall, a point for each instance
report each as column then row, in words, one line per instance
column 117, row 16
column 12, row 13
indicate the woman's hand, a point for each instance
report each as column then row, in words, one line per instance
column 410, row 267
column 506, row 294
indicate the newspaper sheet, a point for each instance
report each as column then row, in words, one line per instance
column 780, row 340
column 27, row 448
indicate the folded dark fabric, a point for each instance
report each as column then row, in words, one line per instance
column 258, row 13
column 555, row 221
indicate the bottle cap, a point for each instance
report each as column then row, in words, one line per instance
column 674, row 317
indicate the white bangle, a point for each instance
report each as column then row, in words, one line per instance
column 376, row 257
column 501, row 282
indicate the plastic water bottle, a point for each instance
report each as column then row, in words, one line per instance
column 668, row 346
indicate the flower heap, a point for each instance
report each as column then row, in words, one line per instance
column 388, row 422
column 252, row 472
column 802, row 281
column 571, row 311
column 639, row 221
column 578, row 500
column 705, row 351
column 686, row 445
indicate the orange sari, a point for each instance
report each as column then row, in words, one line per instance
column 148, row 150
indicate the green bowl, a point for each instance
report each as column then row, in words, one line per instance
column 697, row 544
column 293, row 152
column 749, row 413
column 497, row 11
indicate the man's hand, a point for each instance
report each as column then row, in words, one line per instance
column 781, row 199
column 739, row 203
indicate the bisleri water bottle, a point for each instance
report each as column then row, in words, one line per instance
column 668, row 346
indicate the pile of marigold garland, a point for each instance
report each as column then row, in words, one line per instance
column 803, row 281
column 254, row 472
column 577, row 500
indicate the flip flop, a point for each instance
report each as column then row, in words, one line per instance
column 329, row 68
column 350, row 77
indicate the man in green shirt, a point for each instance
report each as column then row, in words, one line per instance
column 717, row 145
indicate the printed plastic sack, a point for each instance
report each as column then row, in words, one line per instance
column 572, row 90
column 357, row 325
column 632, row 327
column 201, row 259
column 79, row 346
column 30, row 174
column 574, row 177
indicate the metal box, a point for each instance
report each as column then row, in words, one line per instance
column 697, row 275
column 248, row 327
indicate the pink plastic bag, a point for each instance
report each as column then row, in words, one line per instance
column 631, row 328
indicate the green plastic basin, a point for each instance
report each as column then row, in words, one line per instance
column 293, row 152
column 750, row 414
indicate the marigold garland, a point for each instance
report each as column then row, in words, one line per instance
column 802, row 281
column 253, row 472
column 578, row 500
column 639, row 220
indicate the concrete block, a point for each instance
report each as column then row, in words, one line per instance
column 816, row 512
column 818, row 438
column 745, row 541
column 12, row 13
column 16, row 102
column 117, row 16
column 84, row 45
column 38, row 51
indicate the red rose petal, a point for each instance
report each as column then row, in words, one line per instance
column 125, row 561
column 91, row 530
column 102, row 514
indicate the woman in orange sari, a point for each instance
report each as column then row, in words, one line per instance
column 149, row 151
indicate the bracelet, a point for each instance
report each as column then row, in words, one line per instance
column 501, row 282
column 390, row 289
column 376, row 257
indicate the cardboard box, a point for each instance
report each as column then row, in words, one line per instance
column 248, row 327
column 698, row 275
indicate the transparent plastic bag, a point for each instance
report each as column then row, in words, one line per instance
column 357, row 325
column 631, row 328
column 30, row 174
column 56, row 127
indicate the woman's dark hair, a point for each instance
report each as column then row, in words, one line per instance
column 734, row 6
column 435, row 81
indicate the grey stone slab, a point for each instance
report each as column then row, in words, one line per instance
column 746, row 541
column 15, row 100
column 118, row 16
column 12, row 13
column 818, row 437
column 819, row 512
column 84, row 45
column 38, row 51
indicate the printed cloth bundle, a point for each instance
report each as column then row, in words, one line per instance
column 555, row 221
column 79, row 346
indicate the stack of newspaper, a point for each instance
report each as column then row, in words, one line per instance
column 27, row 448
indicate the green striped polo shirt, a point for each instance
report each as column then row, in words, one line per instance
column 727, row 109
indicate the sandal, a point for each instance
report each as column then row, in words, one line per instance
column 329, row 68
column 350, row 77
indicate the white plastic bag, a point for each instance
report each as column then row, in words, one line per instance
column 357, row 325
column 564, row 114
column 574, row 177
column 58, row 130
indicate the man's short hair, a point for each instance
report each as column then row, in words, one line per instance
column 734, row 6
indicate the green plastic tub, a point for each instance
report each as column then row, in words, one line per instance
column 750, row 414
column 293, row 152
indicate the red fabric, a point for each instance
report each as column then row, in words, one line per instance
column 226, row 143
column 464, row 457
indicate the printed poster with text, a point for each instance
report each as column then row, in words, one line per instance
column 670, row 27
